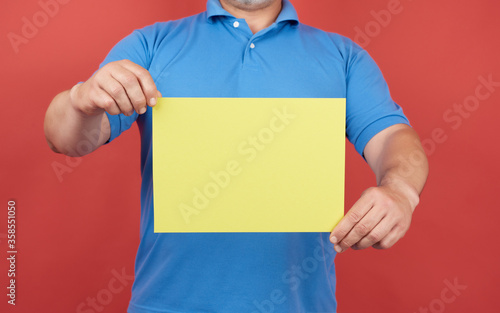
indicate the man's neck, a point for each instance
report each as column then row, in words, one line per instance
column 257, row 17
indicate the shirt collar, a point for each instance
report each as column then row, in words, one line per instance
column 288, row 13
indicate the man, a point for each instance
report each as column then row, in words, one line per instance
column 246, row 48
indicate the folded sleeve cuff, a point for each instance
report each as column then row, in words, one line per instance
column 114, row 123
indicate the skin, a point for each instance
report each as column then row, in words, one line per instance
column 383, row 213
column 378, row 219
column 258, row 14
column 118, row 87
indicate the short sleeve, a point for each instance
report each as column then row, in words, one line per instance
column 135, row 48
column 370, row 108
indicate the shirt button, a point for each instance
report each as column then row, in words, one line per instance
column 236, row 24
column 252, row 45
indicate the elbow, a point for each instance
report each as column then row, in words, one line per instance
column 68, row 151
column 48, row 136
column 58, row 147
column 59, row 142
column 51, row 145
column 55, row 139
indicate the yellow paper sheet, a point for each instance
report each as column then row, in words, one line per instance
column 248, row 164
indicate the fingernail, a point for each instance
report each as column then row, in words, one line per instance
column 338, row 249
column 333, row 239
column 142, row 111
column 152, row 101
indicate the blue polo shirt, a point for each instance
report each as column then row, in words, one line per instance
column 213, row 54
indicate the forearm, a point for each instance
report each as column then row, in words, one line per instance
column 71, row 131
column 399, row 162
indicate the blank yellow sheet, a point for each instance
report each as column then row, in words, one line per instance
column 248, row 164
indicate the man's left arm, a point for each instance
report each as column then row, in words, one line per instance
column 383, row 214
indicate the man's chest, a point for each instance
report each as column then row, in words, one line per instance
column 240, row 68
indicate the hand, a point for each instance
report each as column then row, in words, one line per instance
column 118, row 87
column 379, row 218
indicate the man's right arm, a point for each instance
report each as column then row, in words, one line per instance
column 120, row 87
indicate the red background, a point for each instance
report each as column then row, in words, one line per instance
column 71, row 234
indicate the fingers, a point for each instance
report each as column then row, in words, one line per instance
column 116, row 90
column 105, row 81
column 379, row 219
column 378, row 233
column 148, row 87
column 99, row 98
column 106, row 102
column 355, row 214
column 130, row 87
column 368, row 227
